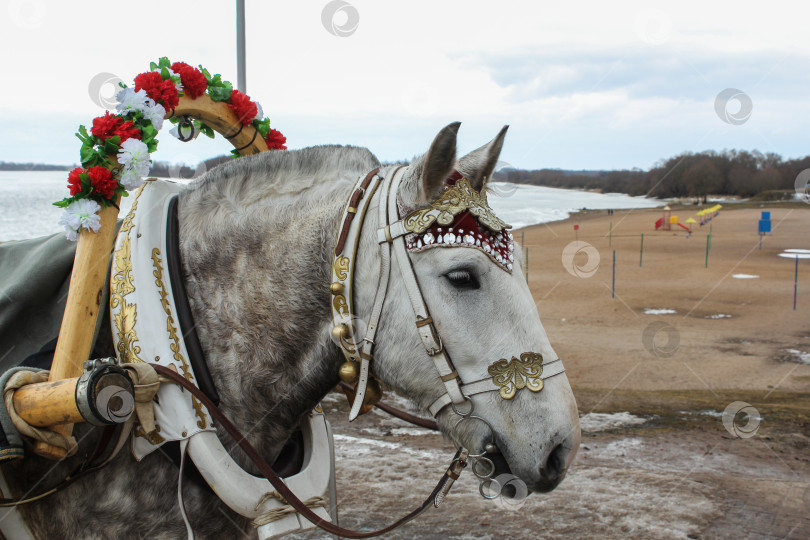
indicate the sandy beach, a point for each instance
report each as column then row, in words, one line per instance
column 726, row 330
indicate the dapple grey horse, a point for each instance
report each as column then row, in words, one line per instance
column 256, row 242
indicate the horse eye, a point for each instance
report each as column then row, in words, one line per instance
column 462, row 279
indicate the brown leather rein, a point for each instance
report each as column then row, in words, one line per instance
column 434, row 499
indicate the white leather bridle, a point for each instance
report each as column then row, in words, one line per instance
column 391, row 235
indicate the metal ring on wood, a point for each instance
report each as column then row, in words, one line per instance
column 221, row 119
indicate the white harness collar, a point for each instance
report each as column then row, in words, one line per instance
column 146, row 329
column 391, row 235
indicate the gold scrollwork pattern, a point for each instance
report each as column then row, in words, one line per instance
column 121, row 285
column 516, row 374
column 154, row 437
column 341, row 268
column 340, row 305
column 157, row 263
column 451, row 203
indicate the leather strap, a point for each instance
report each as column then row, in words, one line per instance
column 398, row 413
column 186, row 319
column 424, row 322
column 376, row 310
column 358, row 194
column 434, row 499
column 550, row 369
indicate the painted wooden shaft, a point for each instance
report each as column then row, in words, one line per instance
column 81, row 311
column 48, row 404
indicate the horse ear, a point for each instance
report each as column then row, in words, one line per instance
column 430, row 172
column 479, row 165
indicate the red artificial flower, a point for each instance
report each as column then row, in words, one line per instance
column 74, row 181
column 245, row 109
column 103, row 182
column 127, row 130
column 161, row 91
column 111, row 125
column 194, row 83
column 275, row 140
column 104, row 126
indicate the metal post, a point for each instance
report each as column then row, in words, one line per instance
column 613, row 291
column 610, row 241
column 527, row 265
column 641, row 251
column 708, row 243
column 240, row 46
column 796, row 283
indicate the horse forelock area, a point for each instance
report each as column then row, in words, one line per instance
column 256, row 240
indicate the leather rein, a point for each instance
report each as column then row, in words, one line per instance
column 434, row 499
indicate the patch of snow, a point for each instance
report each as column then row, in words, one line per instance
column 413, row 431
column 659, row 311
column 593, row 422
column 794, row 254
column 797, row 251
column 744, row 276
column 801, row 356
column 361, row 445
column 718, row 316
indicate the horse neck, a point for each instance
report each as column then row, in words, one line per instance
column 257, row 276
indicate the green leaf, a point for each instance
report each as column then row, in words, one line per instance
column 235, row 154
column 221, row 93
column 164, row 62
column 164, row 72
column 205, row 73
column 86, row 153
column 152, row 66
column 207, row 130
column 262, row 126
column 64, row 203
column 112, row 145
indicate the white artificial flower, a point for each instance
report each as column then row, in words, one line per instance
column 130, row 179
column 259, row 112
column 134, row 159
column 81, row 214
column 130, row 100
column 154, row 112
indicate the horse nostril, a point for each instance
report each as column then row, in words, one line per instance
column 555, row 464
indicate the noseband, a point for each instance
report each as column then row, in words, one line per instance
column 459, row 203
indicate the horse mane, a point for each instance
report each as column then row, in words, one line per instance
column 282, row 175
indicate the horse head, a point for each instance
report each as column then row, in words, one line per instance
column 516, row 407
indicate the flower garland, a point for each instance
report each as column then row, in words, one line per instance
column 130, row 136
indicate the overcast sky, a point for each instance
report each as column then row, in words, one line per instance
column 583, row 85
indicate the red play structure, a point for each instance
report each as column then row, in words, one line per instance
column 666, row 222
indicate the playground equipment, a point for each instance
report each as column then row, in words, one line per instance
column 666, row 221
column 707, row 214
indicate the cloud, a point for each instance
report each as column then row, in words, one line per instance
column 643, row 72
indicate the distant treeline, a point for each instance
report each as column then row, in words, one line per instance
column 695, row 175
column 688, row 175
column 7, row 166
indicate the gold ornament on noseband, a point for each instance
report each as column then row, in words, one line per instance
column 516, row 374
column 451, row 203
